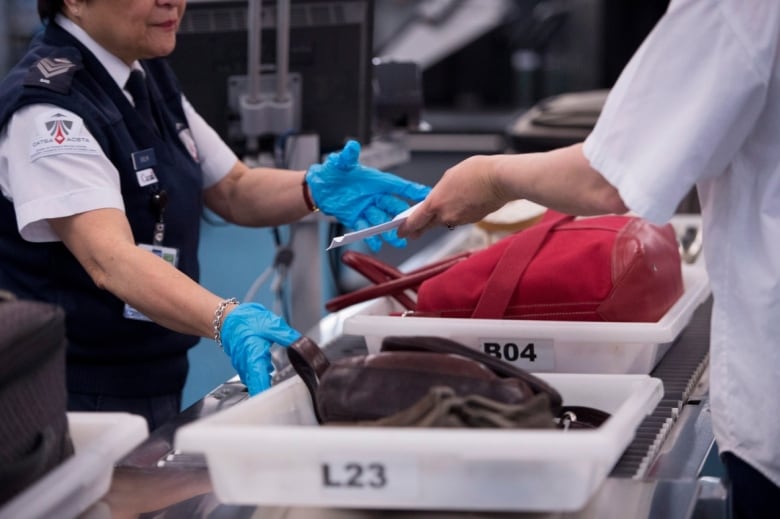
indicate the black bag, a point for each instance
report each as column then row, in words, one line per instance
column 34, row 436
column 433, row 381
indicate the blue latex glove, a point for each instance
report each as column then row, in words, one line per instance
column 360, row 196
column 247, row 334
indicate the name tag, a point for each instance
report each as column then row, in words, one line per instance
column 143, row 163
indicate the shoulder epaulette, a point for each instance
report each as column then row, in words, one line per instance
column 53, row 73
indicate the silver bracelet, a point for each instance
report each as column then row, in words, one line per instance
column 218, row 313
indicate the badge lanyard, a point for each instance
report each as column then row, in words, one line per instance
column 144, row 162
column 158, row 203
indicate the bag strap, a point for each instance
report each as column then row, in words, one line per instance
column 497, row 366
column 512, row 264
column 392, row 287
column 581, row 417
column 310, row 363
column 377, row 272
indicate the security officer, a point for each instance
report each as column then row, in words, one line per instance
column 105, row 169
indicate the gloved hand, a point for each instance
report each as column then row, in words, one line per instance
column 247, row 334
column 360, row 196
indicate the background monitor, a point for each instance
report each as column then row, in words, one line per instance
column 330, row 60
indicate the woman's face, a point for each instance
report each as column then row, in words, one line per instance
column 129, row 29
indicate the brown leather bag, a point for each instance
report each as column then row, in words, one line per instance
column 373, row 388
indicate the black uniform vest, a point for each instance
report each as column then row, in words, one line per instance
column 107, row 353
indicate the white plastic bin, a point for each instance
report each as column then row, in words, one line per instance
column 546, row 346
column 99, row 440
column 269, row 450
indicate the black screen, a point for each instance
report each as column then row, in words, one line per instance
column 330, row 52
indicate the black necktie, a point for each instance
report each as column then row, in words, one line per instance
column 136, row 85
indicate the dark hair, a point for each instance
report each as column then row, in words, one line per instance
column 48, row 9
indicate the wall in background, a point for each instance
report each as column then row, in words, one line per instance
column 18, row 22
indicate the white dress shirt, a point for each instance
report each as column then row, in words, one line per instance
column 699, row 104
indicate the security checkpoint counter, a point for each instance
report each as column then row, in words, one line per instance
column 658, row 475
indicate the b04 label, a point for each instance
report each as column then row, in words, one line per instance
column 531, row 354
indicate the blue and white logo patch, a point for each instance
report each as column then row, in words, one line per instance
column 61, row 132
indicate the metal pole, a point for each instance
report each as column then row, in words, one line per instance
column 254, row 54
column 282, row 48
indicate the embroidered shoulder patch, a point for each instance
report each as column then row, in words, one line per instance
column 59, row 132
column 53, row 73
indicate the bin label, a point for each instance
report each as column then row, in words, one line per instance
column 368, row 476
column 529, row 354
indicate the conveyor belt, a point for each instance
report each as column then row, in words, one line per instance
column 679, row 370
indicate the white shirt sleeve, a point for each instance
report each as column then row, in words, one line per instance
column 216, row 157
column 683, row 105
column 52, row 167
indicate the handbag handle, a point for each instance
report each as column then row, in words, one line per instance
column 373, row 269
column 513, row 263
column 377, row 272
column 310, row 363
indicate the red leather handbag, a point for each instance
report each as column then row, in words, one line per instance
column 606, row 268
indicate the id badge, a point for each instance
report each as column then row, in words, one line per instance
column 144, row 162
column 169, row 254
